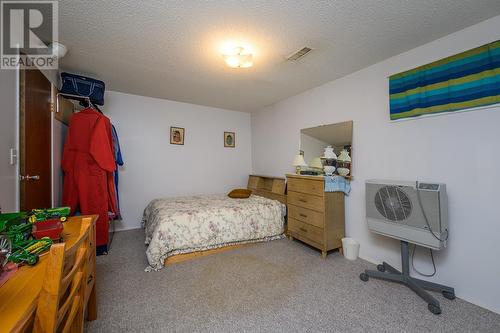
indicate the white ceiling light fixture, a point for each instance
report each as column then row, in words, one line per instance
column 59, row 50
column 239, row 57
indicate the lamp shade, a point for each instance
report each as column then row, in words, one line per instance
column 316, row 163
column 330, row 153
column 344, row 156
column 298, row 161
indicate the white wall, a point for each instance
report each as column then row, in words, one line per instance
column 8, row 139
column 154, row 168
column 59, row 131
column 58, row 137
column 460, row 149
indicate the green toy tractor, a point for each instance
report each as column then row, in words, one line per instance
column 9, row 219
column 60, row 213
column 16, row 240
column 29, row 252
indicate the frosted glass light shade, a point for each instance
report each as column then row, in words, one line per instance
column 344, row 156
column 329, row 153
column 239, row 58
column 58, row 50
column 299, row 161
column 316, row 163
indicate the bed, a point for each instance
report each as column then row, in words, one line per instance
column 182, row 228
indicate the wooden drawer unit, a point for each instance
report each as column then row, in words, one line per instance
column 306, row 215
column 314, row 216
column 305, row 186
column 306, row 230
column 306, row 200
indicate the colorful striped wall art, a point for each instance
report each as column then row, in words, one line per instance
column 467, row 80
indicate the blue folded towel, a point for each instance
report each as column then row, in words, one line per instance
column 337, row 184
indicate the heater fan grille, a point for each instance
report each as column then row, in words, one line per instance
column 393, row 203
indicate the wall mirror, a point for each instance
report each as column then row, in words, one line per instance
column 314, row 140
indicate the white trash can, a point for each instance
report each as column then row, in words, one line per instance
column 351, row 248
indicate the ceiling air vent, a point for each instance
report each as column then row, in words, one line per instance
column 299, row 54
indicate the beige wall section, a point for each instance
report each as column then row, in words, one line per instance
column 459, row 149
column 8, row 139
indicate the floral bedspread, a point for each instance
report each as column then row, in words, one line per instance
column 196, row 223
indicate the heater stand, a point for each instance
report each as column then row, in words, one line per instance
column 389, row 273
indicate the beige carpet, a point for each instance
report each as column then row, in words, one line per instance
column 280, row 286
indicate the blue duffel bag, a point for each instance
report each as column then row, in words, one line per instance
column 83, row 86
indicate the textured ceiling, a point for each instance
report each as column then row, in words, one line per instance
column 170, row 49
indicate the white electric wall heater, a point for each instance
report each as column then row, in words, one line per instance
column 414, row 213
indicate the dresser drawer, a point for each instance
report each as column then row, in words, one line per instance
column 315, row 187
column 306, row 200
column 306, row 230
column 306, row 215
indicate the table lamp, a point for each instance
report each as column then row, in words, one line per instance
column 316, row 164
column 344, row 162
column 344, row 156
column 298, row 163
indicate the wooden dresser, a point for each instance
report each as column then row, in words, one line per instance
column 315, row 217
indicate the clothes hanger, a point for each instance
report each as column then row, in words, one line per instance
column 82, row 100
column 89, row 104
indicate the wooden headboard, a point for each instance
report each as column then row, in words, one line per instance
column 268, row 187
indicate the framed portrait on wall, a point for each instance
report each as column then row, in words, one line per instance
column 177, row 135
column 229, row 139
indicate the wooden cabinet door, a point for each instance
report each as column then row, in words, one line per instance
column 35, row 141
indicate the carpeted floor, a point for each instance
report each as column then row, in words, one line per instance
column 280, row 286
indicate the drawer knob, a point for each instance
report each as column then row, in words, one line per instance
column 303, row 215
column 303, row 230
column 303, row 200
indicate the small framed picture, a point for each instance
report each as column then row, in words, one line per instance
column 229, row 139
column 177, row 135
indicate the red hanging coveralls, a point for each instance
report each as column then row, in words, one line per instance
column 88, row 163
